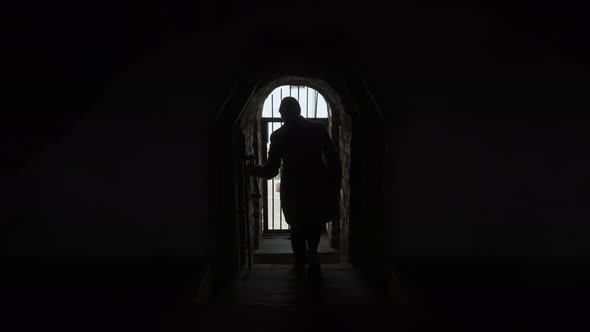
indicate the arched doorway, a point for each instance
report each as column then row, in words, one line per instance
column 259, row 119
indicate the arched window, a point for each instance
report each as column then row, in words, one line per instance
column 313, row 104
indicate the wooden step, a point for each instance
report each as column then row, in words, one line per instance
column 277, row 250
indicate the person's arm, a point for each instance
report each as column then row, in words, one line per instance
column 332, row 159
column 271, row 168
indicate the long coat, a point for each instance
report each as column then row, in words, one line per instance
column 311, row 172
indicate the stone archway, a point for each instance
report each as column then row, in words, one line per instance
column 248, row 124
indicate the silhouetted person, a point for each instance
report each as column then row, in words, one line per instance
column 311, row 173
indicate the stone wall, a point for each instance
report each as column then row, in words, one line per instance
column 339, row 126
column 344, row 149
column 255, row 189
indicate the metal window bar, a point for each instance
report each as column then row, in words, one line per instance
column 273, row 180
column 274, row 186
column 307, row 103
column 315, row 111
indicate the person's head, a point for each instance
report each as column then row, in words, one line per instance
column 290, row 109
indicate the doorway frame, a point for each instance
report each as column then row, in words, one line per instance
column 251, row 114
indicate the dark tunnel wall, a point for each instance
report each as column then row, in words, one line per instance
column 489, row 154
column 131, row 178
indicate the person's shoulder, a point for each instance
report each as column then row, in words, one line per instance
column 277, row 134
column 317, row 125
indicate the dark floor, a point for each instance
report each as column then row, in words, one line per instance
column 274, row 298
column 158, row 294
